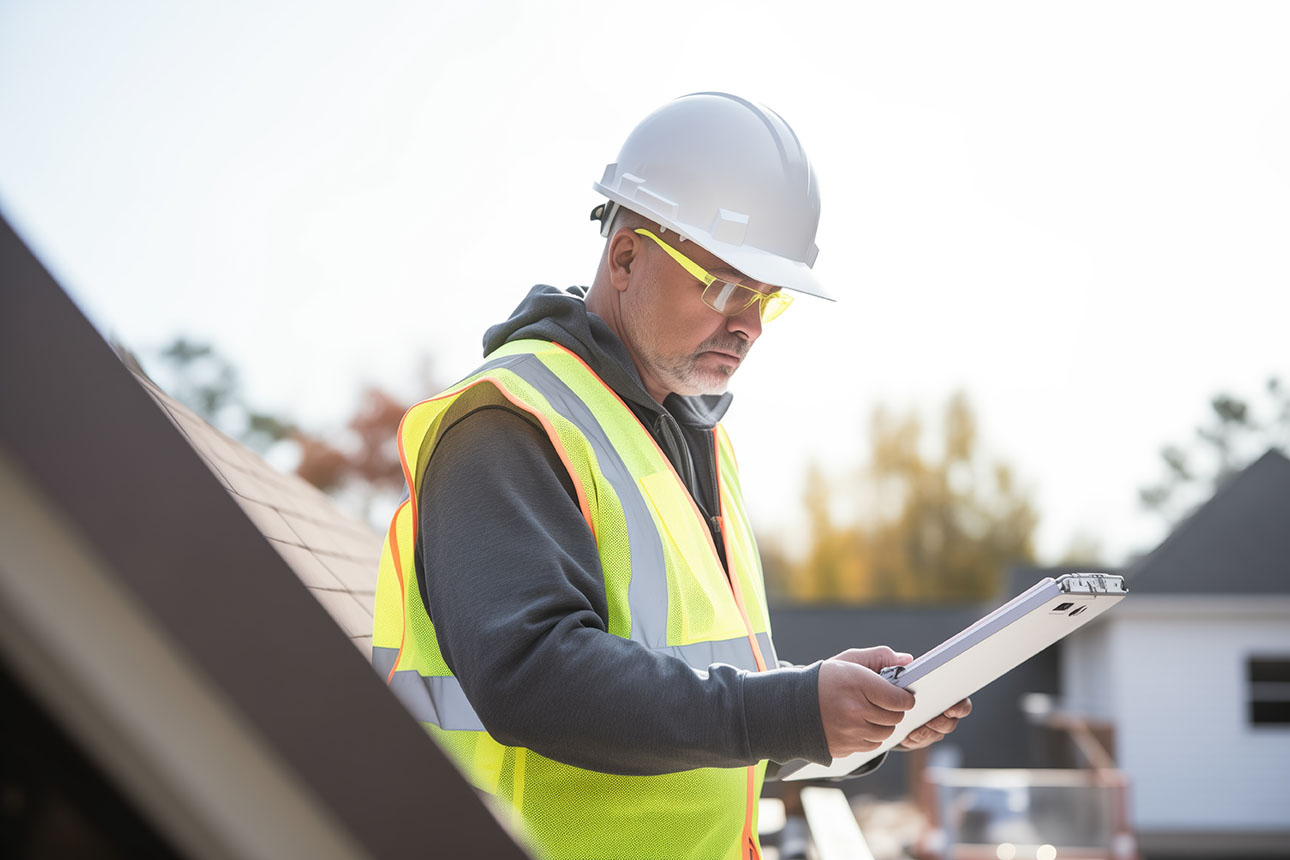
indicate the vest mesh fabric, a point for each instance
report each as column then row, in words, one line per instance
column 566, row 811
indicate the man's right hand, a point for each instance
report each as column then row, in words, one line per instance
column 859, row 708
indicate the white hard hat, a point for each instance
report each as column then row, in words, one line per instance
column 729, row 175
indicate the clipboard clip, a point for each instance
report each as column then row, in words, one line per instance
column 891, row 673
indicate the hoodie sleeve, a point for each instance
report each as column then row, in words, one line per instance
column 512, row 579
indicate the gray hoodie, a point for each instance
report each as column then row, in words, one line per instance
column 512, row 579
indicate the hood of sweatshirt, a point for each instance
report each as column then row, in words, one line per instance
column 561, row 316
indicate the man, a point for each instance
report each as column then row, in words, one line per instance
column 571, row 599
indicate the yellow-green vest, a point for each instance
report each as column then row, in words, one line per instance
column 666, row 589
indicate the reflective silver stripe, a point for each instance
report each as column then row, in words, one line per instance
column 735, row 652
column 647, row 590
column 383, row 659
column 768, row 650
column 439, row 700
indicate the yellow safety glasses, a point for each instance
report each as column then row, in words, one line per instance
column 726, row 297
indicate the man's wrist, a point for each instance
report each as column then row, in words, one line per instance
column 782, row 713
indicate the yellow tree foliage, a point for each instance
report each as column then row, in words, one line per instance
column 943, row 526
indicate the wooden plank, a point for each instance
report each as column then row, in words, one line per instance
column 834, row 828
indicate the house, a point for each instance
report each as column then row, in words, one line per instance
column 1186, row 683
column 1192, row 671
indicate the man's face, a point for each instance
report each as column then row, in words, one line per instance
column 679, row 344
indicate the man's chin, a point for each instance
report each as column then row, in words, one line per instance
column 697, row 379
column 710, row 383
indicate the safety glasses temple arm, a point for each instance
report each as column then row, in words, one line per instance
column 686, row 263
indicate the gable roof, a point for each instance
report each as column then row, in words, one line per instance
column 156, row 624
column 1236, row 543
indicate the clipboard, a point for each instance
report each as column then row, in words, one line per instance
column 988, row 649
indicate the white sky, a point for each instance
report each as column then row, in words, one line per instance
column 1078, row 213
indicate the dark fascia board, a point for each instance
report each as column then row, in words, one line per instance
column 79, row 423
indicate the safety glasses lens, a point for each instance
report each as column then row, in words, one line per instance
column 774, row 305
column 727, row 298
column 730, row 299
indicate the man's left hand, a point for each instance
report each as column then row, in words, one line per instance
column 935, row 729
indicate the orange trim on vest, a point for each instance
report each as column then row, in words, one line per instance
column 693, row 505
column 393, row 540
column 739, row 603
column 546, row 425
column 750, row 838
column 407, row 476
column 734, row 580
column 749, row 849
column 392, row 537
column 583, row 505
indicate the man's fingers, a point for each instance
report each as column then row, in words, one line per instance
column 862, row 737
column 942, row 724
column 888, row 696
column 875, row 732
column 960, row 710
column 876, row 659
column 883, row 717
column 869, row 689
column 859, row 708
column 921, row 737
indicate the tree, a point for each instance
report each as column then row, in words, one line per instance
column 1236, row 432
column 360, row 464
column 198, row 376
column 835, row 555
column 364, row 462
column 926, row 527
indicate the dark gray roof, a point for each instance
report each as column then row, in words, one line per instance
column 334, row 555
column 1236, row 543
column 163, row 532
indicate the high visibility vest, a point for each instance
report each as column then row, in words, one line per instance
column 665, row 587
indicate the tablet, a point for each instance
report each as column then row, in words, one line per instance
column 967, row 661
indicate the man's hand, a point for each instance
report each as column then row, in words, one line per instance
column 935, row 729
column 859, row 708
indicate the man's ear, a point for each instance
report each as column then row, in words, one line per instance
column 624, row 248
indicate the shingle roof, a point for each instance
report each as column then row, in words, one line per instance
column 334, row 555
column 133, row 557
column 1236, row 543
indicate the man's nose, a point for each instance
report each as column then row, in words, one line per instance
column 746, row 323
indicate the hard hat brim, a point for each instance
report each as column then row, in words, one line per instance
column 763, row 266
column 792, row 275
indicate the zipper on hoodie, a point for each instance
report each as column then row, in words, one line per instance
column 677, row 451
column 714, row 519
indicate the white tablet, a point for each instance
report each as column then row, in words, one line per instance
column 991, row 647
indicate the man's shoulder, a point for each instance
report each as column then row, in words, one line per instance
column 489, row 427
column 492, row 448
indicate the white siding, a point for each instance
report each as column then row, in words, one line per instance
column 1181, row 716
